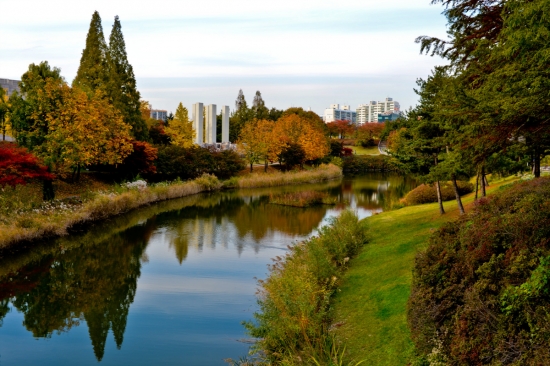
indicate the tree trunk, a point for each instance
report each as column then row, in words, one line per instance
column 438, row 191
column 536, row 163
column 78, row 173
column 477, row 184
column 457, row 195
column 48, row 193
column 439, row 198
column 251, row 167
column 483, row 191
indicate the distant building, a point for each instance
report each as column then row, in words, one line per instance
column 368, row 113
column 159, row 114
column 335, row 113
column 10, row 86
column 388, row 116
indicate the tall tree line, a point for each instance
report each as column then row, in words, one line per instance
column 486, row 111
column 106, row 69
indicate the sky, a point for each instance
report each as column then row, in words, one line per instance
column 297, row 53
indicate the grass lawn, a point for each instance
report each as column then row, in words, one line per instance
column 360, row 150
column 371, row 307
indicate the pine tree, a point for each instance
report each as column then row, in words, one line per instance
column 122, row 84
column 259, row 109
column 240, row 117
column 92, row 73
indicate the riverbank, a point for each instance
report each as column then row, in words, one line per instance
column 59, row 217
column 370, row 310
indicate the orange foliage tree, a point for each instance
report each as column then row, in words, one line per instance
column 294, row 129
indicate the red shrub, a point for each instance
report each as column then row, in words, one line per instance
column 18, row 166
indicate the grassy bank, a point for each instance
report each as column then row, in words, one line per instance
column 370, row 310
column 292, row 326
column 58, row 217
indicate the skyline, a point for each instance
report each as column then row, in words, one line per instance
column 305, row 54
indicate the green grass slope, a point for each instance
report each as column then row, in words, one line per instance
column 370, row 310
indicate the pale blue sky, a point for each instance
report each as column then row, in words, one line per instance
column 308, row 53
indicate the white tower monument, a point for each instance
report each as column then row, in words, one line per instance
column 225, row 123
column 210, row 124
column 198, row 123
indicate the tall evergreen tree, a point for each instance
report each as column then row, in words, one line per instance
column 259, row 109
column 122, row 83
column 93, row 73
column 240, row 117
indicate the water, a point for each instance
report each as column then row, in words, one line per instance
column 167, row 284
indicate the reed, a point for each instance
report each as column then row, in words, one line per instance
column 322, row 173
column 302, row 199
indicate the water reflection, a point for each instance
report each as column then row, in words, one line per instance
column 92, row 278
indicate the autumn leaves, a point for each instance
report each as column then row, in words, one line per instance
column 267, row 141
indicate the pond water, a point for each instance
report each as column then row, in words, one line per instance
column 166, row 284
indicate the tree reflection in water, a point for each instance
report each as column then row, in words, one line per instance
column 95, row 283
column 92, row 277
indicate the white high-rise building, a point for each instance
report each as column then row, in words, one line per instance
column 335, row 113
column 368, row 113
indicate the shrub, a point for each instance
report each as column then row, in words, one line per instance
column 480, row 292
column 189, row 163
column 426, row 193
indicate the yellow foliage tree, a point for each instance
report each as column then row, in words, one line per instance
column 4, row 108
column 296, row 129
column 82, row 130
column 181, row 129
column 250, row 145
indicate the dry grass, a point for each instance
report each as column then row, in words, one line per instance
column 28, row 218
column 271, row 179
column 54, row 219
column 302, row 199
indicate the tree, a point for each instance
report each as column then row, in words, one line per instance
column 181, row 130
column 240, row 117
column 18, row 166
column 368, row 133
column 4, row 111
column 342, row 128
column 82, row 130
column 28, row 115
column 259, row 110
column 309, row 115
column 93, row 72
column 249, row 144
column 292, row 128
column 122, row 89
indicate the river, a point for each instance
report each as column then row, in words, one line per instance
column 168, row 284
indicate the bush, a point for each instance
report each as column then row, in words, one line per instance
column 189, row 163
column 426, row 193
column 481, row 290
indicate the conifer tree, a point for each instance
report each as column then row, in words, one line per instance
column 92, row 73
column 259, row 109
column 122, row 84
column 240, row 117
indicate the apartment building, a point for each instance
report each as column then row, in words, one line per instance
column 335, row 113
column 159, row 114
column 368, row 113
column 9, row 86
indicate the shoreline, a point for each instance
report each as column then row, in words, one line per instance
column 45, row 224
